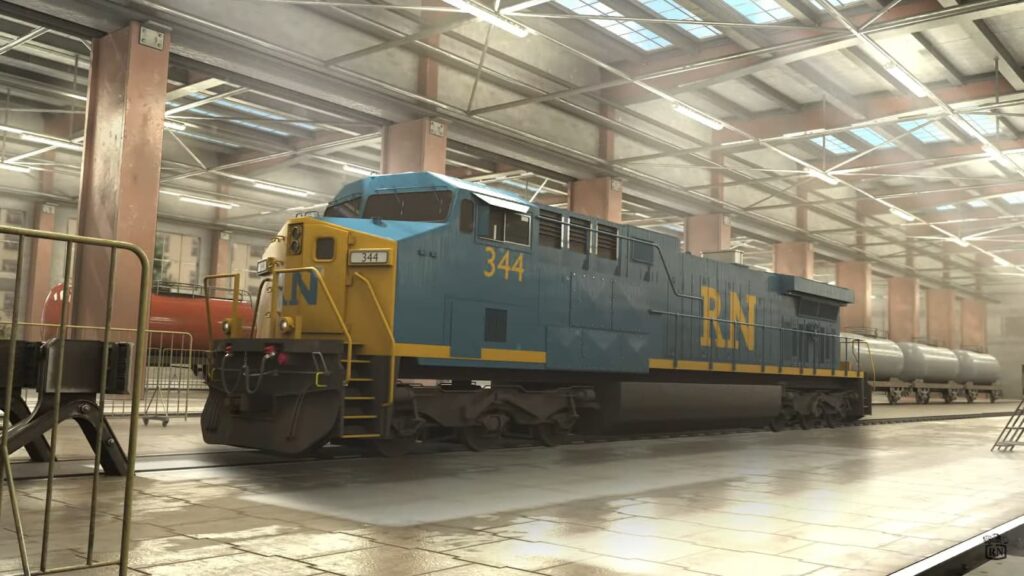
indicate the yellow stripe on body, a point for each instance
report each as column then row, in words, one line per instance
column 741, row 368
column 441, row 352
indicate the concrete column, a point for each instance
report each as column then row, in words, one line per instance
column 941, row 316
column 597, row 197
column 904, row 309
column 973, row 324
column 795, row 259
column 856, row 276
column 220, row 260
column 39, row 280
column 708, row 233
column 120, row 167
column 415, row 146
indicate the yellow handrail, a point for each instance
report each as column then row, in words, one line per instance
column 236, row 292
column 330, row 300
column 391, row 336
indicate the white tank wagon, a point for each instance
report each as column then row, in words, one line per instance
column 904, row 368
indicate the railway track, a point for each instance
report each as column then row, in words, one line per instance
column 235, row 458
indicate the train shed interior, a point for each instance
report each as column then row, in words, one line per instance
column 558, row 287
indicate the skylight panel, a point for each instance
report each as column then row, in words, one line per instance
column 627, row 30
column 834, row 145
column 1013, row 198
column 977, row 203
column 871, row 137
column 760, row 11
column 670, row 10
column 836, row 3
column 985, row 123
column 927, row 134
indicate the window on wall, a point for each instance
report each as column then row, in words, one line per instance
column 244, row 258
column 7, row 301
column 176, row 259
column 507, row 226
column 15, row 217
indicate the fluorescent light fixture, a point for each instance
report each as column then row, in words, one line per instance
column 1000, row 261
column 281, row 189
column 977, row 203
column 486, row 15
column 823, row 176
column 945, row 208
column 906, row 216
column 207, row 202
column 698, row 116
column 169, row 193
column 960, row 242
column 522, row 6
column 907, row 80
column 357, row 170
column 310, row 207
column 11, row 130
column 51, row 142
column 803, row 133
column 14, row 168
column 176, row 126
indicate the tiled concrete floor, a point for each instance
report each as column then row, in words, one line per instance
column 852, row 501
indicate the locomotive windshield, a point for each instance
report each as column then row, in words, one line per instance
column 426, row 206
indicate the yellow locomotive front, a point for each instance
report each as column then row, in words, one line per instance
column 318, row 363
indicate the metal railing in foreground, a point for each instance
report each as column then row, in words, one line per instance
column 88, row 409
column 174, row 386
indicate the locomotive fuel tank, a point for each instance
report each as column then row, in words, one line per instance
column 169, row 313
column 928, row 363
column 878, row 358
column 980, row 369
column 640, row 406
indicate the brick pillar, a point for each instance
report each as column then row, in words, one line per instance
column 904, row 309
column 973, row 324
column 708, row 233
column 856, row 276
column 415, row 146
column 120, row 168
column 597, row 197
column 39, row 277
column 941, row 314
column 795, row 259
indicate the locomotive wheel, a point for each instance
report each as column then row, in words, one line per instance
column 949, row 396
column 923, row 396
column 972, row 395
column 892, row 395
column 779, row 423
column 550, row 434
column 479, row 438
column 392, row 447
column 994, row 395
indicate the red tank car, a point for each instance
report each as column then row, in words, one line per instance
column 178, row 309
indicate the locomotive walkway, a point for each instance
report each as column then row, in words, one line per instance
column 851, row 501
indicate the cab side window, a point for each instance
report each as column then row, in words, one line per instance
column 467, row 216
column 507, row 226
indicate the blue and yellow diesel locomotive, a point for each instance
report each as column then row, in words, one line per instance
column 531, row 316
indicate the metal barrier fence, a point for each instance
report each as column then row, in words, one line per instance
column 174, row 385
column 86, row 408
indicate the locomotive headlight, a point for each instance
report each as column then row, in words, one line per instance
column 225, row 325
column 295, row 239
column 286, row 325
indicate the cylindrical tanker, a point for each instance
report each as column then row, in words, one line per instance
column 977, row 368
column 928, row 363
column 170, row 312
column 879, row 359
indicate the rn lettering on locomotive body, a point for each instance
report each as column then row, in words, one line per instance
column 740, row 320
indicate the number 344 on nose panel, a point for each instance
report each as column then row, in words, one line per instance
column 501, row 260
